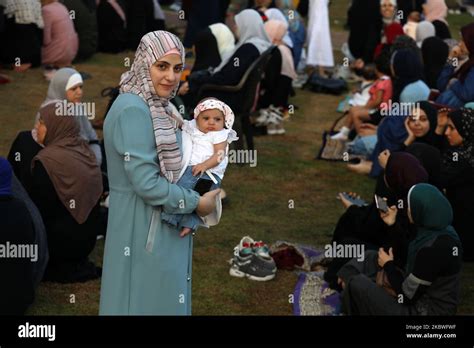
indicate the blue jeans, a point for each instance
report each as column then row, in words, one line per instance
column 188, row 220
column 298, row 39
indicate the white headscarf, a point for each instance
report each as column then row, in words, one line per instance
column 225, row 40
column 251, row 30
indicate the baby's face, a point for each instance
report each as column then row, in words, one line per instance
column 210, row 121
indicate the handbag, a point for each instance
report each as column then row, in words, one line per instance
column 319, row 84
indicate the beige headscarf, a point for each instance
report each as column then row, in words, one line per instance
column 152, row 47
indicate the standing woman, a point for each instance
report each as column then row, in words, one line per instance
column 147, row 265
column 319, row 36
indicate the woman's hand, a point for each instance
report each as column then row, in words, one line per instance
column 390, row 216
column 184, row 89
column 384, row 257
column 383, row 158
column 207, row 203
column 411, row 136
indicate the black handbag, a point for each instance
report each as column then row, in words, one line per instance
column 319, row 84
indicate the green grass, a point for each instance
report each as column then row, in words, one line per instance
column 259, row 198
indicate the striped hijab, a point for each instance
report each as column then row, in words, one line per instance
column 152, row 47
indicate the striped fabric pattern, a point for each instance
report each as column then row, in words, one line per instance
column 152, row 47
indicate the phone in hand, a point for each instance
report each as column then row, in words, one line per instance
column 203, row 186
column 381, row 204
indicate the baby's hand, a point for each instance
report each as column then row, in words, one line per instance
column 199, row 169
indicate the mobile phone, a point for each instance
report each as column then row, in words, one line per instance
column 355, row 160
column 381, row 204
column 203, row 186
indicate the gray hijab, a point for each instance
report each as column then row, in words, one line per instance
column 57, row 91
column 251, row 30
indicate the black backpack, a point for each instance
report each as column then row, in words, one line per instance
column 319, row 84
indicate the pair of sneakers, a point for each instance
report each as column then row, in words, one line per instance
column 270, row 115
column 251, row 260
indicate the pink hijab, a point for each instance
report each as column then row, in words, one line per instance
column 276, row 31
column 435, row 10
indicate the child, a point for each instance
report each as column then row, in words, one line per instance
column 205, row 145
column 362, row 95
column 380, row 93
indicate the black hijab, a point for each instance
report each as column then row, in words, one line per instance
column 430, row 158
column 404, row 170
column 463, row 120
column 432, row 115
column 408, row 69
column 468, row 38
column 435, row 53
column 206, row 50
column 442, row 30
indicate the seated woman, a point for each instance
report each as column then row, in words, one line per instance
column 408, row 88
column 460, row 91
column 364, row 20
column 253, row 41
column 277, row 15
column 421, row 126
column 363, row 225
column 429, row 284
column 24, row 148
column 212, row 46
column 435, row 53
column 296, row 29
column 457, row 174
column 279, row 76
column 18, row 287
column 23, row 36
column 66, row 86
column 60, row 40
column 112, row 26
column 40, row 238
column 435, row 10
column 387, row 10
column 66, row 188
column 85, row 24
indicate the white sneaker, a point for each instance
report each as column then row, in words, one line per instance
column 339, row 136
column 280, row 130
column 262, row 120
column 175, row 7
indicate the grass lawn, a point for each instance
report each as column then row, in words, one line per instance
column 259, row 197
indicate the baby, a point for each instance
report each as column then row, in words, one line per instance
column 205, row 145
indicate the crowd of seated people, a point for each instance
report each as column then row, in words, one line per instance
column 421, row 157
